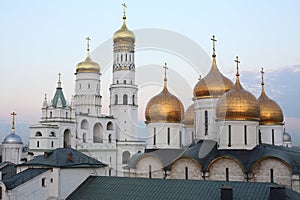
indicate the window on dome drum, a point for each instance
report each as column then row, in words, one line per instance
column 245, row 134
column 229, row 135
column 168, row 136
column 150, row 171
column 124, row 81
column 125, row 99
column 79, row 86
column 38, row 144
column 50, row 114
column 110, row 126
column 121, row 57
column 109, row 172
column 52, row 144
column 38, row 134
column 227, row 174
column 272, row 175
column 109, row 138
column 125, row 157
column 52, row 134
column 192, row 135
column 273, row 137
column 66, row 115
column 133, row 97
column 89, row 86
column 129, row 58
column 259, row 137
column 117, row 82
column 186, row 173
column 206, row 121
column 98, row 133
column 154, row 136
column 116, row 99
column 88, row 110
column 84, row 138
column 125, row 57
column 180, row 135
column 43, row 182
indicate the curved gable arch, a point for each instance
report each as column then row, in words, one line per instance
column 186, row 167
column 84, row 124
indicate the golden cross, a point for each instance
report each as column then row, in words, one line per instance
column 13, row 121
column 124, row 12
column 213, row 40
column 59, row 76
column 88, row 39
column 165, row 67
column 262, row 75
column 199, row 77
column 237, row 64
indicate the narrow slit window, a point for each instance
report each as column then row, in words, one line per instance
column 229, row 135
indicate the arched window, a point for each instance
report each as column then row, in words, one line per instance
column 117, row 82
column 168, row 139
column 109, row 138
column 38, row 144
column 227, row 174
column 125, row 157
column 98, row 133
column 133, row 101
column 84, row 125
column 66, row 114
column 50, row 114
column 206, row 122
column 186, row 173
column 150, row 171
column 67, row 138
column 38, row 134
column 259, row 137
column 125, row 99
column 89, row 86
column 124, row 81
column 272, row 175
column 121, row 57
column 84, row 138
column 52, row 144
column 116, row 99
column 245, row 134
column 109, row 126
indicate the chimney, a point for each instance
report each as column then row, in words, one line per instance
column 277, row 192
column 226, row 193
column 45, row 154
column 70, row 157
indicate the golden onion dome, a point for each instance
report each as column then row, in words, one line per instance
column 238, row 104
column 270, row 111
column 164, row 107
column 189, row 116
column 124, row 33
column 214, row 84
column 88, row 65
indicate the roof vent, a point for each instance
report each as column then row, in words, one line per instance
column 70, row 157
column 226, row 193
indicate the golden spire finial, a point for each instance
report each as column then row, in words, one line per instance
column 199, row 77
column 88, row 39
column 124, row 11
column 59, row 76
column 214, row 45
column 262, row 76
column 13, row 122
column 237, row 65
column 165, row 78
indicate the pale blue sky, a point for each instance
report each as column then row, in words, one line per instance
column 39, row 39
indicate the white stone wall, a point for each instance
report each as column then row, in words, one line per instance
column 177, row 170
column 266, row 134
column 162, row 135
column 237, row 134
column 142, row 167
column 282, row 173
column 217, row 170
column 189, row 135
column 200, row 106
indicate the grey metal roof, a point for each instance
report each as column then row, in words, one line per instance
column 97, row 187
column 59, row 158
column 22, row 177
column 206, row 151
column 7, row 169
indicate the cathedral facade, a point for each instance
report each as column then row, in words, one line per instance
column 226, row 134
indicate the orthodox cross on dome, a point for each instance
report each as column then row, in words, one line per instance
column 262, row 76
column 199, row 77
column 13, row 122
column 88, row 39
column 237, row 65
column 165, row 67
column 214, row 43
column 124, row 11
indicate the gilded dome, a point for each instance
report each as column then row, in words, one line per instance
column 88, row 66
column 189, row 116
column 164, row 107
column 270, row 111
column 238, row 104
column 213, row 85
column 124, row 33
